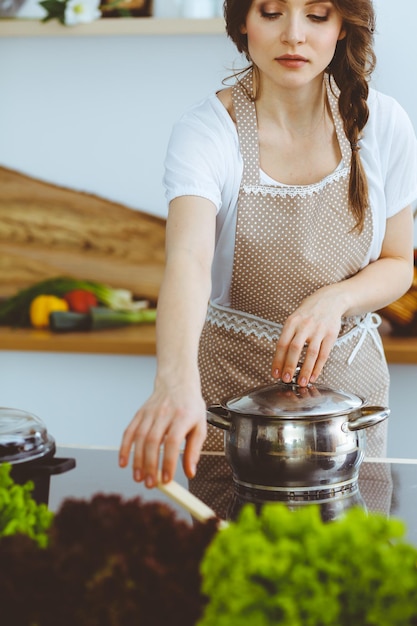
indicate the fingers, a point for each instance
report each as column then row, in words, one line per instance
column 315, row 357
column 305, row 345
column 151, row 432
column 287, row 355
column 134, row 437
column 193, row 448
column 149, row 440
column 126, row 444
column 311, row 365
column 288, row 351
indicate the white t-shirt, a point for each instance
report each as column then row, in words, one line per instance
column 204, row 159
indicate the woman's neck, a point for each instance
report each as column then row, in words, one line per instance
column 298, row 112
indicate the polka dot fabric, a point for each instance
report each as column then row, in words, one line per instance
column 376, row 485
column 229, row 364
column 289, row 242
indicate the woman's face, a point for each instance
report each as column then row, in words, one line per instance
column 292, row 41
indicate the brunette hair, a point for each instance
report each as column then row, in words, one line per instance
column 351, row 67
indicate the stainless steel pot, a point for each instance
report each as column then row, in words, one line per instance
column 284, row 437
column 332, row 504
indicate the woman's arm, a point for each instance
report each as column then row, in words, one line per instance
column 316, row 321
column 176, row 411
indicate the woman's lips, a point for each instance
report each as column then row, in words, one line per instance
column 292, row 61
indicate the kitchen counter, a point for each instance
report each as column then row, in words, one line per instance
column 386, row 485
column 140, row 340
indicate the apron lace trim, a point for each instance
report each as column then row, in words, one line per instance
column 240, row 322
column 294, row 191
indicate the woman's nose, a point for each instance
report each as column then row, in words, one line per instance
column 293, row 32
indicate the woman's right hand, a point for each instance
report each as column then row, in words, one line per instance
column 176, row 410
column 171, row 415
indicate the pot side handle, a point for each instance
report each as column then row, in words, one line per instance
column 369, row 416
column 218, row 416
column 55, row 465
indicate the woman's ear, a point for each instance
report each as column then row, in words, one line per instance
column 243, row 29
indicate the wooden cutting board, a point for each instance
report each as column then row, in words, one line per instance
column 47, row 230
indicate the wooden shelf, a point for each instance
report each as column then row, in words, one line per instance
column 140, row 340
column 400, row 350
column 133, row 340
column 112, row 27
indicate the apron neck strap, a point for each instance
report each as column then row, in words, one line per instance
column 333, row 93
column 247, row 128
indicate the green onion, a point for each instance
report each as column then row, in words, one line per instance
column 98, row 318
column 108, row 318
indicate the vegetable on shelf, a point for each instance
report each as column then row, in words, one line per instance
column 15, row 310
column 80, row 300
column 41, row 307
column 98, row 318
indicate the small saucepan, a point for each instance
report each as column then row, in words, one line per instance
column 26, row 444
column 287, row 437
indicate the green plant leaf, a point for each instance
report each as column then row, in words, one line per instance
column 19, row 512
column 55, row 9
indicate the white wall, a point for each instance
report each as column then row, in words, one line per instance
column 95, row 113
column 84, row 399
column 395, row 49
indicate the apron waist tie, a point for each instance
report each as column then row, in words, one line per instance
column 366, row 325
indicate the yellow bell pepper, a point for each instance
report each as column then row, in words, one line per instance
column 42, row 306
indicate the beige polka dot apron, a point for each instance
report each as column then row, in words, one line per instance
column 289, row 241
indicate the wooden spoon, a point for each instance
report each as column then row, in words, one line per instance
column 196, row 507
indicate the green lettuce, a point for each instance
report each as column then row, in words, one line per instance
column 19, row 512
column 289, row 568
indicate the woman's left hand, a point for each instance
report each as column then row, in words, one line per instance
column 312, row 328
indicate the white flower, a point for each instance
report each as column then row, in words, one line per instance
column 81, row 11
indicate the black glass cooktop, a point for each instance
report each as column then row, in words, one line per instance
column 388, row 486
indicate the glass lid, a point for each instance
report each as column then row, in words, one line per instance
column 23, row 436
column 293, row 401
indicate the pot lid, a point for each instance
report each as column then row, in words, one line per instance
column 290, row 400
column 23, row 437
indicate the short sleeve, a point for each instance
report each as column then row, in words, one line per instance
column 400, row 161
column 196, row 160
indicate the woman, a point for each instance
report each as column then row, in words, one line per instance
column 290, row 199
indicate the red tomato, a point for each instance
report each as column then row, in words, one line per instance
column 80, row 300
